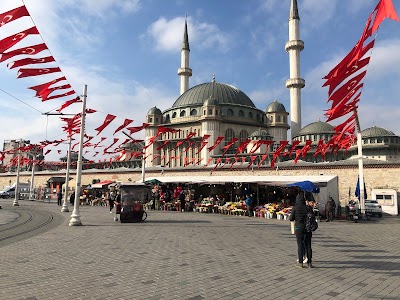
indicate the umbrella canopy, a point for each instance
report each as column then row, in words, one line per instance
column 306, row 185
column 153, row 181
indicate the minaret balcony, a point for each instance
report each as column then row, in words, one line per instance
column 185, row 71
column 294, row 45
column 295, row 83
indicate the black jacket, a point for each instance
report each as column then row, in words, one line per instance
column 299, row 212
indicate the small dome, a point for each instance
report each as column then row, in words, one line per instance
column 262, row 133
column 317, row 127
column 211, row 101
column 154, row 111
column 275, row 107
column 376, row 132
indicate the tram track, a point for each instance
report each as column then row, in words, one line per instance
column 28, row 223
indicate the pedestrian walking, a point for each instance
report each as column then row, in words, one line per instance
column 182, row 198
column 298, row 215
column 59, row 197
column 110, row 199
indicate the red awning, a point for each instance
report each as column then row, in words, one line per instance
column 102, row 184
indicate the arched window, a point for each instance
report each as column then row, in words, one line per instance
column 229, row 135
column 150, row 119
column 278, row 118
column 272, row 119
column 241, row 113
column 193, row 112
column 229, row 113
column 183, row 113
column 258, row 117
column 167, row 118
column 250, row 115
column 204, row 112
column 209, row 111
column 243, row 135
column 174, row 114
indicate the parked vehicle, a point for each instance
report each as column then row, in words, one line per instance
column 353, row 211
column 373, row 207
column 9, row 191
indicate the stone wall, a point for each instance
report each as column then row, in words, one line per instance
column 376, row 176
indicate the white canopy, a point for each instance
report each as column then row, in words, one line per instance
column 320, row 180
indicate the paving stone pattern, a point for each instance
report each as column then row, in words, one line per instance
column 197, row 256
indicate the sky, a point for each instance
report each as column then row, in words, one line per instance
column 128, row 52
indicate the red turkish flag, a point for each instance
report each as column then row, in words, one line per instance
column 68, row 103
column 355, row 54
column 29, row 61
column 242, row 146
column 10, row 41
column 306, row 148
column 109, row 118
column 163, row 145
column 69, row 93
column 230, row 144
column 126, row 123
column 189, row 146
column 217, row 142
column 353, row 68
column 24, row 72
column 137, row 128
column 346, row 88
column 350, row 94
column 45, row 93
column 384, row 9
column 31, row 50
column 41, row 87
column 13, row 14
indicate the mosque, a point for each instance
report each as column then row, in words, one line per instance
column 212, row 110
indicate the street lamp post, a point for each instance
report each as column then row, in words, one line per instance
column 76, row 217
column 15, row 203
column 65, row 204
column 31, row 188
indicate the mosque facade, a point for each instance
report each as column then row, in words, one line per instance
column 207, row 112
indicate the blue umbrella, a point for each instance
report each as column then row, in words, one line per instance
column 306, row 185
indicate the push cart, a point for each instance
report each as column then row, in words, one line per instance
column 133, row 196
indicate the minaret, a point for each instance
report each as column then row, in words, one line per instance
column 295, row 83
column 184, row 71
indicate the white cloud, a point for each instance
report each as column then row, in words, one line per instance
column 168, row 35
column 317, row 11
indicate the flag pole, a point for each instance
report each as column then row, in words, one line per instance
column 360, row 166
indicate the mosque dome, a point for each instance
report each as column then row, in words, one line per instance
column 375, row 131
column 316, row 127
column 211, row 101
column 224, row 93
column 275, row 107
column 260, row 133
column 154, row 111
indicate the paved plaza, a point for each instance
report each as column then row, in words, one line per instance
column 195, row 256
